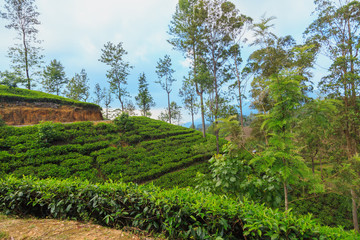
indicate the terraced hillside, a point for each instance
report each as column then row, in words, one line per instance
column 136, row 149
column 21, row 106
column 9, row 94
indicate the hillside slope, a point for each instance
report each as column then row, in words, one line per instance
column 22, row 106
column 136, row 149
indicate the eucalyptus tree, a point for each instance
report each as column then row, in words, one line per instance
column 238, row 37
column 337, row 29
column 25, row 56
column 187, row 30
column 54, row 77
column 112, row 55
column 188, row 95
column 144, row 99
column 221, row 21
column 165, row 71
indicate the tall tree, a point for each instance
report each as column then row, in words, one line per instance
column 164, row 71
column 187, row 30
column 176, row 114
column 337, row 28
column 188, row 94
column 112, row 55
column 54, row 77
column 144, row 100
column 237, row 35
column 281, row 155
column 99, row 94
column 107, row 101
column 25, row 56
column 222, row 19
column 78, row 87
column 275, row 54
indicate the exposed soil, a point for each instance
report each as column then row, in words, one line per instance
column 22, row 113
column 49, row 229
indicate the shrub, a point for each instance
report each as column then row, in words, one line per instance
column 47, row 132
column 124, row 122
column 179, row 213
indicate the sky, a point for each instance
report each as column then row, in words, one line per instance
column 75, row 31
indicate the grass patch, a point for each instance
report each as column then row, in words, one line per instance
column 8, row 95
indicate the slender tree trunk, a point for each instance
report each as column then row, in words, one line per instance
column 312, row 165
column 285, row 188
column 169, row 107
column 192, row 120
column 26, row 62
column 321, row 170
column 216, row 107
column 122, row 104
column 240, row 98
column 313, row 161
column 354, row 210
column 286, row 196
column 200, row 94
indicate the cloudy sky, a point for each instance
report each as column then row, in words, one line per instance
column 74, row 31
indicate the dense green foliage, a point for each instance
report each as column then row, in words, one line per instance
column 179, row 213
column 330, row 209
column 183, row 177
column 8, row 94
column 133, row 149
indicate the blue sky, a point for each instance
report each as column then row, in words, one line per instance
column 74, row 31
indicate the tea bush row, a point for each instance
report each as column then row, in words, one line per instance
column 111, row 152
column 177, row 213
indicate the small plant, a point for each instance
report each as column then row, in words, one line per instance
column 124, row 122
column 47, row 132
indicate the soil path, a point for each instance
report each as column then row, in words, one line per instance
column 49, row 229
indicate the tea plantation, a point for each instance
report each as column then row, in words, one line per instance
column 9, row 94
column 84, row 171
column 134, row 149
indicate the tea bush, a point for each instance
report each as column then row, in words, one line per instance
column 134, row 149
column 179, row 213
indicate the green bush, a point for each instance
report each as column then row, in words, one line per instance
column 47, row 132
column 145, row 151
column 2, row 122
column 179, row 213
column 124, row 122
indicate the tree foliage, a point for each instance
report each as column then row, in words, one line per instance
column 281, row 155
column 78, row 87
column 165, row 71
column 144, row 99
column 25, row 56
column 113, row 56
column 54, row 77
column 188, row 94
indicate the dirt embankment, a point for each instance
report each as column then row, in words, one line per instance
column 23, row 113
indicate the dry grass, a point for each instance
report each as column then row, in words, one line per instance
column 49, row 229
